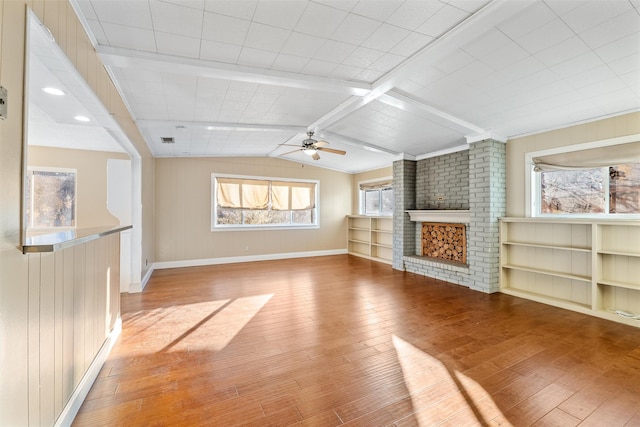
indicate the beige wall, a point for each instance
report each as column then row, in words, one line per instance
column 183, row 210
column 91, row 167
column 366, row 176
column 25, row 325
column 628, row 124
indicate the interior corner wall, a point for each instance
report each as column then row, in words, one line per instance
column 184, row 208
column 517, row 148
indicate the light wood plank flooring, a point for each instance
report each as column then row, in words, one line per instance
column 340, row 340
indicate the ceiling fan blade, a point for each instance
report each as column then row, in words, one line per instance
column 320, row 143
column 289, row 145
column 315, row 156
column 291, row 152
column 331, row 150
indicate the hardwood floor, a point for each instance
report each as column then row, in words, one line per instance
column 340, row 340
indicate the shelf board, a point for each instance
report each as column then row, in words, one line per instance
column 537, row 245
column 382, row 231
column 362, row 242
column 548, row 272
column 623, row 253
column 382, row 245
column 618, row 284
column 546, row 299
column 372, row 258
column 605, row 314
column 359, row 228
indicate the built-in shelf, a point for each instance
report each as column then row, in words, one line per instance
column 623, row 253
column 370, row 237
column 546, row 299
column 590, row 266
column 619, row 284
column 548, row 272
column 534, row 245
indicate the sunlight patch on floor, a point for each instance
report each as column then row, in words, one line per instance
column 439, row 394
column 217, row 324
column 201, row 326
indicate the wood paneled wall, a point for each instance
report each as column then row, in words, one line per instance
column 74, row 302
column 55, row 309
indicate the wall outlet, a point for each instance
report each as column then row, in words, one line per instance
column 440, row 198
column 3, row 103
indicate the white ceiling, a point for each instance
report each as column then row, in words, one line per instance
column 51, row 120
column 381, row 79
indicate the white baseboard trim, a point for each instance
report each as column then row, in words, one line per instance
column 250, row 258
column 72, row 407
column 139, row 287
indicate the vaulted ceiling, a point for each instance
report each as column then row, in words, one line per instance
column 380, row 79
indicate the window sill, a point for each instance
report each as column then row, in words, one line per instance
column 264, row 228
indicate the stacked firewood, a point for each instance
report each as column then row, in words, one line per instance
column 444, row 241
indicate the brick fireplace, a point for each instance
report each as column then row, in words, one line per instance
column 469, row 182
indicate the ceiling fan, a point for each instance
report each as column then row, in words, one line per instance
column 311, row 146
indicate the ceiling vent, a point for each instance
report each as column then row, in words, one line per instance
column 167, row 140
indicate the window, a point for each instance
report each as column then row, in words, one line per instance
column 263, row 202
column 612, row 190
column 376, row 198
column 598, row 181
column 50, row 198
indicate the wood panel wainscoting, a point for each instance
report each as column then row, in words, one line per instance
column 342, row 340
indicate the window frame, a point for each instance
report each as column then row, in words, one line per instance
column 533, row 181
column 30, row 202
column 361, row 196
column 254, row 227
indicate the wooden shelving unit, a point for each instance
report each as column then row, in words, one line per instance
column 590, row 266
column 370, row 237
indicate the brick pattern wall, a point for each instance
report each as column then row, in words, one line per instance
column 404, row 193
column 487, row 203
column 446, row 176
column 442, row 271
column 473, row 179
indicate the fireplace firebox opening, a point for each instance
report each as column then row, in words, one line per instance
column 445, row 241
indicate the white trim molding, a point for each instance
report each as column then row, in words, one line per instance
column 460, row 216
column 249, row 258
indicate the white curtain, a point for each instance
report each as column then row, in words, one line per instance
column 592, row 158
column 292, row 195
column 378, row 185
column 243, row 193
column 258, row 194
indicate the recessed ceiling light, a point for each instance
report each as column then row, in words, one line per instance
column 53, row 91
column 82, row 118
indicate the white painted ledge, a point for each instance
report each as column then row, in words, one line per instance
column 458, row 216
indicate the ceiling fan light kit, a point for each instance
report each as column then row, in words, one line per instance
column 311, row 146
